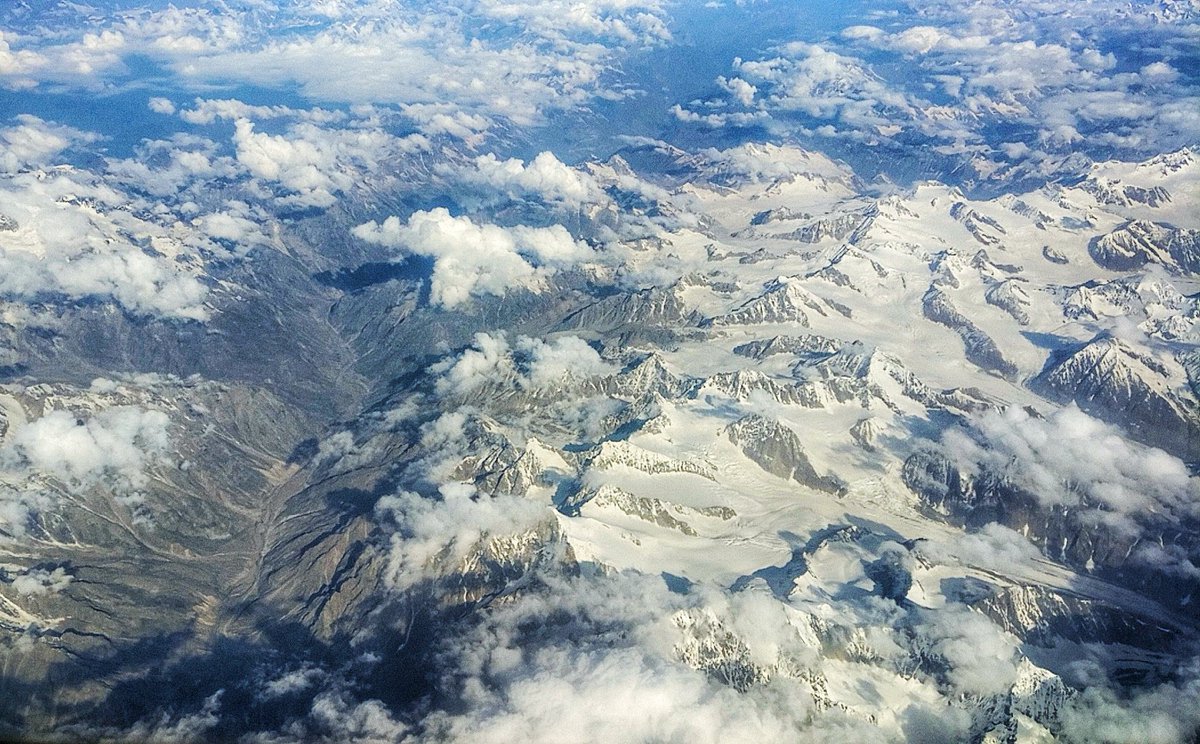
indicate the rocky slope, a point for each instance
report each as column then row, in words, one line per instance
column 805, row 434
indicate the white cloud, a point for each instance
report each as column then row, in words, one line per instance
column 295, row 681
column 869, row 33
column 545, row 177
column 472, row 260
column 413, row 58
column 447, row 528
column 528, row 363
column 597, row 658
column 447, row 429
column 487, row 361
column 436, row 119
column 232, row 225
column 1158, row 72
column 167, row 168
column 116, row 445
column 562, row 358
column 818, row 82
column 312, row 164
column 73, row 238
column 1000, row 66
column 563, row 694
column 1169, row 559
column 923, row 39
column 18, row 67
column 1070, row 458
column 136, row 281
column 26, row 61
column 82, row 46
column 994, row 546
column 41, row 581
column 337, row 717
column 172, row 728
column 35, row 142
column 1164, row 714
column 1015, row 150
column 630, row 21
column 161, row 106
column 209, row 110
column 742, row 91
column 299, row 165
column 500, row 60
column 18, row 509
column 980, row 658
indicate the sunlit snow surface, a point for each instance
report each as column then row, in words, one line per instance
column 599, row 370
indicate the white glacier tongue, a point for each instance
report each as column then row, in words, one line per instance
column 388, row 420
column 816, row 455
column 915, row 466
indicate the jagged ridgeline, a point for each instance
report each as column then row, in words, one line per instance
column 736, row 432
column 603, row 370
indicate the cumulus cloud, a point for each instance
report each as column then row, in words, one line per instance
column 177, row 729
column 993, row 546
column 600, row 658
column 87, row 48
column 1170, row 559
column 472, row 260
column 1069, row 458
column 136, row 281
column 19, row 509
column 560, row 659
column 488, row 360
column 336, row 716
column 73, row 238
column 230, row 226
column 40, row 581
column 161, row 106
column 561, row 358
column 817, row 82
column 209, row 110
column 565, row 694
column 742, row 91
column 434, row 119
column 1158, row 72
column 35, row 142
column 424, row 60
column 980, row 659
column 924, row 39
column 116, row 445
column 631, row 21
column 27, row 60
column 448, row 428
column 313, row 165
column 114, row 448
column 292, row 682
column 528, row 363
column 502, row 60
column 175, row 167
column 545, row 177
column 447, row 527
column 996, row 67
column 1162, row 714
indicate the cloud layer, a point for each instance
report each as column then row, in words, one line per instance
column 992, row 83
column 494, row 59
